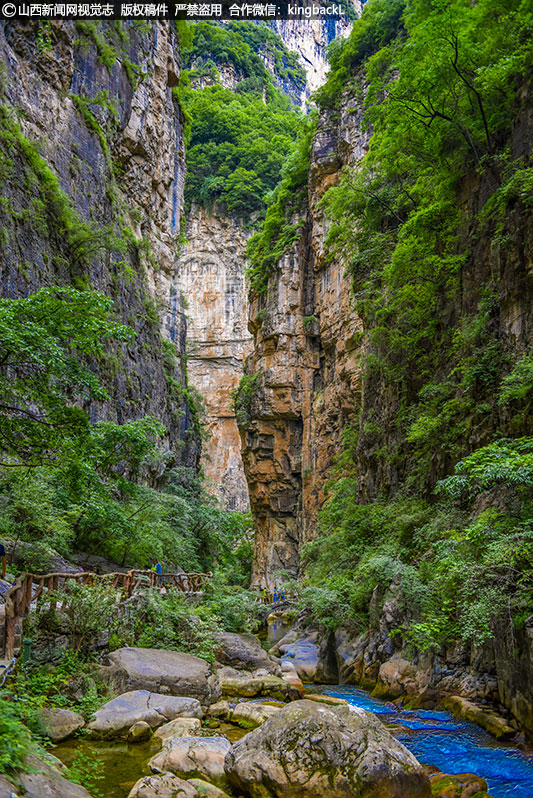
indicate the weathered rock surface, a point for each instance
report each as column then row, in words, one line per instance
column 164, row 672
column 206, row 790
column 125, row 169
column 44, row 781
column 243, row 652
column 60, row 723
column 211, row 275
column 312, row 751
column 247, row 685
column 117, row 716
column 181, row 727
column 201, row 757
column 485, row 717
column 464, row 785
column 165, row 785
column 249, row 715
column 139, row 732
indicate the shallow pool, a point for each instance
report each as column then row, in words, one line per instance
column 437, row 738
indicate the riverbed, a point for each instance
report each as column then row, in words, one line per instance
column 436, row 738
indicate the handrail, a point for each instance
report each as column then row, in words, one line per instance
column 21, row 594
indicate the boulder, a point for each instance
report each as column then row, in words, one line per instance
column 309, row 750
column 251, row 715
column 220, row 710
column 116, row 717
column 289, row 674
column 181, row 727
column 44, row 781
column 398, row 677
column 164, row 672
column 310, row 650
column 164, row 786
column 7, row 789
column 463, row 785
column 194, row 757
column 139, row 732
column 60, row 723
column 243, row 652
column 247, row 685
column 485, row 717
column 206, row 790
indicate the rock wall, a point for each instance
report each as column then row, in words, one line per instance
column 310, row 39
column 211, row 278
column 112, row 134
column 306, row 348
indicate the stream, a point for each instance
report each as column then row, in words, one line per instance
column 454, row 746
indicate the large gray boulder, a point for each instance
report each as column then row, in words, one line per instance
column 44, row 781
column 194, row 757
column 116, row 717
column 164, row 672
column 60, row 723
column 243, row 652
column 308, row 750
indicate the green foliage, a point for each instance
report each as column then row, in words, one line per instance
column 15, row 740
column 44, row 340
column 243, row 396
column 237, row 146
column 93, row 32
column 283, row 222
column 505, row 462
column 171, row 623
column 239, row 44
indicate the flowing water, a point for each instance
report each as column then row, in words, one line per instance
column 437, row 738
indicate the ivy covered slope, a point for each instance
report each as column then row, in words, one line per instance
column 99, row 430
column 241, row 126
column 435, row 225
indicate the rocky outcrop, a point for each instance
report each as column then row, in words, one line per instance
column 243, row 652
column 311, row 751
column 249, row 684
column 164, row 786
column 306, row 353
column 60, row 723
column 211, row 279
column 112, row 134
column 116, row 718
column 201, row 757
column 310, row 39
column 163, row 671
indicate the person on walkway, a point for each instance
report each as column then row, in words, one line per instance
column 3, row 558
column 157, row 568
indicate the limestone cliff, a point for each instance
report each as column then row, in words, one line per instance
column 310, row 385
column 310, row 39
column 211, row 280
column 97, row 103
column 306, row 347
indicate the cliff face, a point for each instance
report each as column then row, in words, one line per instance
column 97, row 103
column 211, row 279
column 310, row 387
column 306, row 348
column 310, row 39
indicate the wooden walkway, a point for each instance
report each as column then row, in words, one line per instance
column 29, row 588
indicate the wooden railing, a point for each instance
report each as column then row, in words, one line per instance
column 28, row 588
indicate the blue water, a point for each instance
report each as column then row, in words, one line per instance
column 437, row 738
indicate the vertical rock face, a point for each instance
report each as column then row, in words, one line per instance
column 211, row 279
column 306, row 355
column 310, row 39
column 112, row 134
